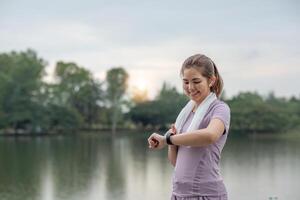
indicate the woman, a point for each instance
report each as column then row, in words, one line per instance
column 196, row 140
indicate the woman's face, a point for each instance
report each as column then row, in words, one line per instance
column 195, row 86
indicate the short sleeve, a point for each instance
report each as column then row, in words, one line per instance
column 222, row 111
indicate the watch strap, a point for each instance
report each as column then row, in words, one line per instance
column 168, row 138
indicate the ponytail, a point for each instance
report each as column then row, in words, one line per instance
column 218, row 84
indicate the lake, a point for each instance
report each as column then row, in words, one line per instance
column 100, row 167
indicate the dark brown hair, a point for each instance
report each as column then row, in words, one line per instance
column 207, row 68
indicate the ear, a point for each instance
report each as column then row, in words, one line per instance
column 212, row 81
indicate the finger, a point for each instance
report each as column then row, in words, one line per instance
column 152, row 146
column 150, row 138
column 174, row 128
column 152, row 143
column 155, row 142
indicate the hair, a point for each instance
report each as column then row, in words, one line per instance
column 207, row 68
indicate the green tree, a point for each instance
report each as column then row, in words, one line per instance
column 59, row 117
column 116, row 82
column 20, row 80
column 170, row 103
column 26, row 102
column 160, row 112
column 252, row 114
column 77, row 89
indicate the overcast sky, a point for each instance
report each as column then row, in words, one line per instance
column 255, row 44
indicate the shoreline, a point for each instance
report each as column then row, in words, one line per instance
column 289, row 134
column 72, row 132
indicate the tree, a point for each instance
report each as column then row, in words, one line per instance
column 77, row 89
column 252, row 114
column 20, row 81
column 170, row 103
column 116, row 82
column 161, row 111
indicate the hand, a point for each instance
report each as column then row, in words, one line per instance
column 173, row 129
column 156, row 141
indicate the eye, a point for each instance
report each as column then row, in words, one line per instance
column 197, row 82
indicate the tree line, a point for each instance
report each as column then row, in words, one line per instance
column 75, row 100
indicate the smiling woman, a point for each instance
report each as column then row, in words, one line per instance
column 196, row 140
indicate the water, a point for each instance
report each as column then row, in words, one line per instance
column 96, row 167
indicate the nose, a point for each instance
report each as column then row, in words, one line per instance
column 191, row 86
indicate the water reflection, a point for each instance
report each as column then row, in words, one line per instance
column 259, row 169
column 97, row 167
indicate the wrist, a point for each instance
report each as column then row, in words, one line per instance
column 168, row 139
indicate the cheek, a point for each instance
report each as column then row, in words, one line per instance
column 185, row 87
column 203, row 85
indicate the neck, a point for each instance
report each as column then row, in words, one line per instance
column 196, row 106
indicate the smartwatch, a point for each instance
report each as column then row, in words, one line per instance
column 168, row 138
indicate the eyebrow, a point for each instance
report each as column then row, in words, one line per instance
column 194, row 79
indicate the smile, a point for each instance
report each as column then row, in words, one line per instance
column 194, row 94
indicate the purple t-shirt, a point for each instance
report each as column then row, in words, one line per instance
column 197, row 171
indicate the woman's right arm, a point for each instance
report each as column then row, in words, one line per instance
column 157, row 141
column 172, row 154
column 173, row 149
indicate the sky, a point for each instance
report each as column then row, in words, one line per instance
column 255, row 44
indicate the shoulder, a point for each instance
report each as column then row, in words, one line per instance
column 220, row 105
column 220, row 110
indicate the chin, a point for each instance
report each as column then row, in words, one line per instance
column 195, row 99
column 198, row 99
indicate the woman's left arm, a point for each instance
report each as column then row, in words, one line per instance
column 201, row 137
